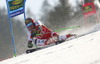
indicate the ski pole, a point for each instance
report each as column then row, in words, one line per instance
column 62, row 29
column 66, row 28
column 34, row 43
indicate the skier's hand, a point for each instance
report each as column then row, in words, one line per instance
column 33, row 34
column 30, row 45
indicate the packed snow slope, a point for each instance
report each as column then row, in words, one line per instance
column 81, row 50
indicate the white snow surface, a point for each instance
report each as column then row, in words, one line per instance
column 81, row 50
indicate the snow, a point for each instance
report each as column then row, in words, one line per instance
column 81, row 50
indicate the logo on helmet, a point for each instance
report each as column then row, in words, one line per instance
column 27, row 21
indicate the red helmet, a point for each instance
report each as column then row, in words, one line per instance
column 28, row 20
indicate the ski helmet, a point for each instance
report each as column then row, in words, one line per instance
column 28, row 20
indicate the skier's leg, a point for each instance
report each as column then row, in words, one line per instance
column 41, row 42
column 63, row 38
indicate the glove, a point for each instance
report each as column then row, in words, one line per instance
column 30, row 45
column 33, row 34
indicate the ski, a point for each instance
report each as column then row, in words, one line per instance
column 32, row 50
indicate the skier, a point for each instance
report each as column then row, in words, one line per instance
column 46, row 36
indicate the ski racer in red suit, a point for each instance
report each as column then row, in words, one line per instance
column 46, row 36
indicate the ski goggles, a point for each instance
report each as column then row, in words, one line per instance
column 29, row 24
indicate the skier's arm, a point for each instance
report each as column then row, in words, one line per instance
column 30, row 45
column 29, row 36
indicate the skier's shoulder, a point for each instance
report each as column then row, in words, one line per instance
column 38, row 23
